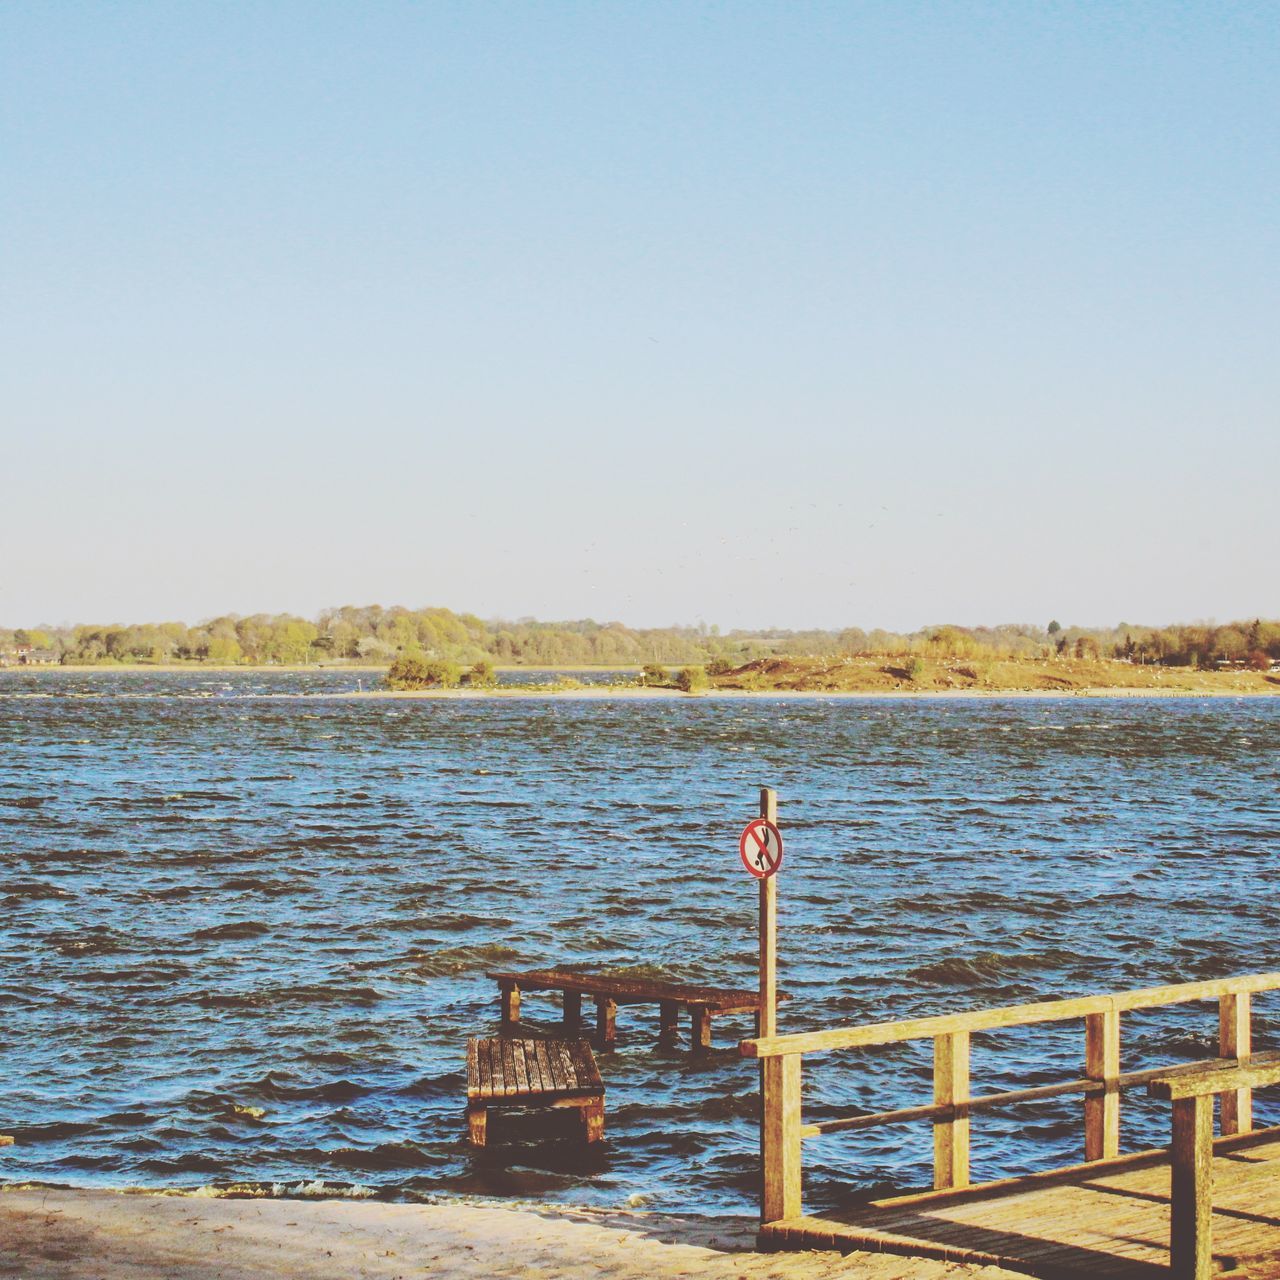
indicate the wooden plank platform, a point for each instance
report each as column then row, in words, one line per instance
column 532, row 1073
column 608, row 992
column 1107, row 1219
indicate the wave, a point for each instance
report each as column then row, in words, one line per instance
column 316, row 1189
column 232, row 930
column 991, row 966
column 32, row 891
column 269, row 997
column 451, row 960
column 92, row 942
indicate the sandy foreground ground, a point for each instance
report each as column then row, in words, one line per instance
column 100, row 1235
column 602, row 693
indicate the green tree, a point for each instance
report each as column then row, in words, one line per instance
column 692, row 679
column 482, row 676
column 413, row 671
column 222, row 649
column 653, row 674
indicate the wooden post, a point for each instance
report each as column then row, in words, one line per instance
column 700, row 1028
column 668, row 1022
column 951, row 1133
column 572, row 1013
column 606, row 1022
column 1191, row 1189
column 477, row 1117
column 593, row 1120
column 769, row 930
column 779, row 1077
column 780, row 1137
column 1102, row 1062
column 1235, row 1040
column 510, row 1005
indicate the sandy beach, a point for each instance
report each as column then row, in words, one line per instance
column 601, row 693
column 100, row 1235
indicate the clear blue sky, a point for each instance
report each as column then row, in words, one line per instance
column 794, row 314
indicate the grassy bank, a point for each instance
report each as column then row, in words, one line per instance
column 919, row 675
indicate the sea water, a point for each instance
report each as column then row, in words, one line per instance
column 245, row 925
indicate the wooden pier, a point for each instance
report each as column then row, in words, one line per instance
column 1108, row 1219
column 609, row 992
column 1200, row 1208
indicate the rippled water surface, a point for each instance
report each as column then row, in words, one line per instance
column 245, row 934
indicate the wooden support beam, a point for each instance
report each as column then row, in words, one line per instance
column 951, row 1130
column 593, row 1121
column 477, row 1126
column 510, row 1004
column 700, row 1028
column 606, row 1022
column 668, row 1022
column 1102, row 1062
column 572, row 1013
column 780, row 1138
column 1235, row 1040
column 1191, row 1189
column 1216, row 1076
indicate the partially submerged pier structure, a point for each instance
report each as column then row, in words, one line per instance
column 608, row 992
column 532, row 1073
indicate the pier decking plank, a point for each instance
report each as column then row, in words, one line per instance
column 1107, row 1219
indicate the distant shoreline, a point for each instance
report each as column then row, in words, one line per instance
column 1195, row 686
column 293, row 667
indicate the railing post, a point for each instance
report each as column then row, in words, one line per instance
column 1102, row 1062
column 951, row 1132
column 1191, row 1189
column 1235, row 1040
column 780, row 1137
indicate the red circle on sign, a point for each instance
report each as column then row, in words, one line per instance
column 760, row 847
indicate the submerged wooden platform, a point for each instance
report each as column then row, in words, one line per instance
column 609, row 992
column 532, row 1073
column 1108, row 1218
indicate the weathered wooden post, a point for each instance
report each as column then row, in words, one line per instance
column 951, row 1131
column 769, row 928
column 1235, row 1040
column 1102, row 1063
column 1191, row 1189
column 761, row 850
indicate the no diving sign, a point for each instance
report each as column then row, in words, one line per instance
column 761, row 848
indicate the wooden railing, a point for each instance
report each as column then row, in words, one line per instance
column 1191, row 1155
column 783, row 1128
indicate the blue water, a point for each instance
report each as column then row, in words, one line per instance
column 246, row 926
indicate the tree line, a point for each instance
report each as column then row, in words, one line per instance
column 376, row 635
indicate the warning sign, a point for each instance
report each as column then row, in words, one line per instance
column 761, row 848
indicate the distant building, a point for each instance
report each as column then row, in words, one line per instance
column 25, row 655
